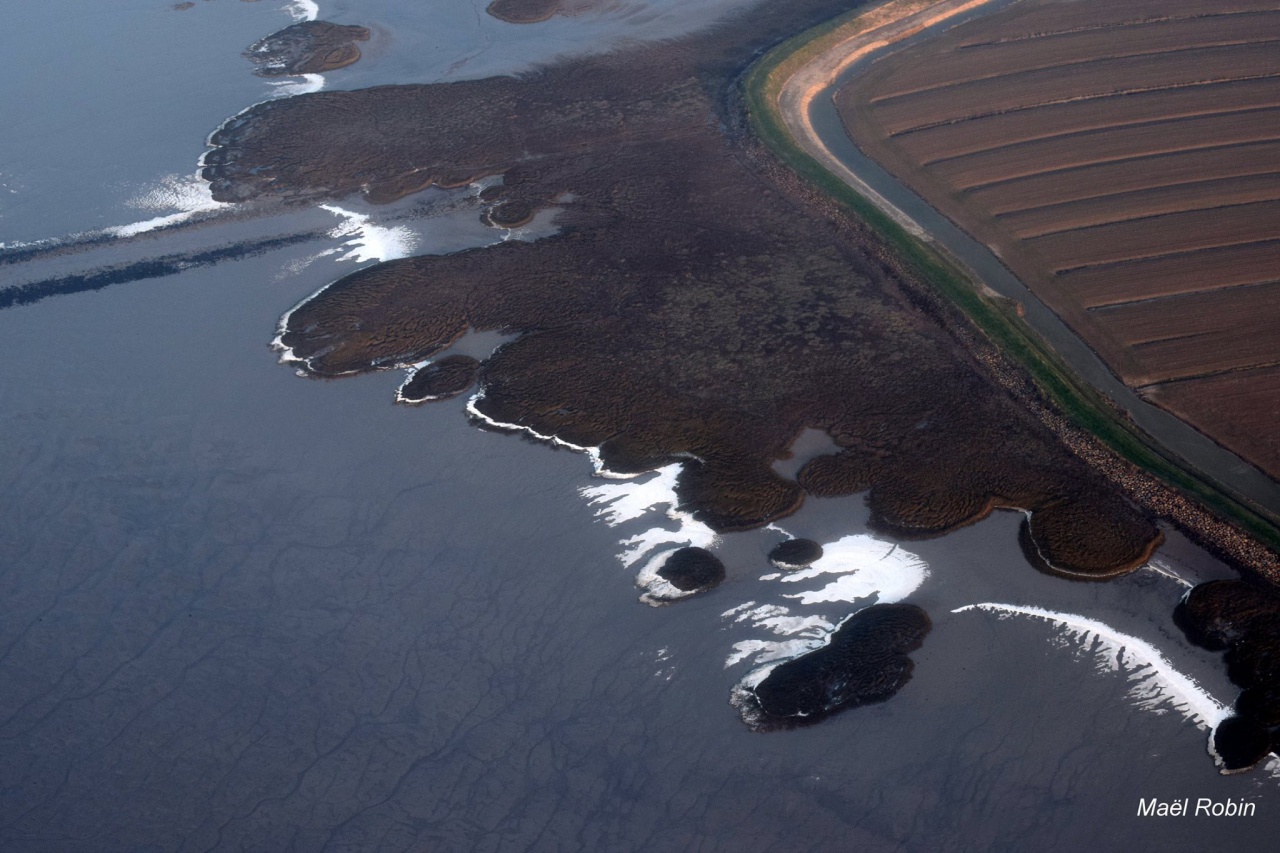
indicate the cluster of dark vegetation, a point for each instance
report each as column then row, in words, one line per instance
column 697, row 306
column 865, row 661
column 1242, row 619
column 689, row 309
column 309, row 47
column 692, row 570
column 795, row 553
column 441, row 379
column 533, row 11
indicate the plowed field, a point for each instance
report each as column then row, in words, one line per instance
column 1123, row 157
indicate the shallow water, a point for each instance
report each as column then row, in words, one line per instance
column 247, row 610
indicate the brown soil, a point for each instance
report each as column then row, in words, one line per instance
column 689, row 309
column 1199, row 334
column 1121, row 156
column 1241, row 408
column 310, row 47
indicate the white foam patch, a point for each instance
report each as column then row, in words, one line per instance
column 187, row 195
column 622, row 502
column 289, row 88
column 296, row 267
column 634, row 500
column 866, row 567
column 803, row 633
column 1154, row 683
column 366, row 241
column 1163, row 570
column 631, row 500
column 854, row 569
column 303, row 10
column 658, row 591
column 769, row 652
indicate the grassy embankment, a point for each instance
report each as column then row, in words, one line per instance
column 995, row 317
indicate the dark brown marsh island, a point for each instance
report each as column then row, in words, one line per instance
column 309, row 47
column 533, row 11
column 693, row 306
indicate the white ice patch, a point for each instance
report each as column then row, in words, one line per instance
column 368, row 242
column 363, row 240
column 854, row 569
column 303, row 10
column 187, row 195
column 666, row 669
column 1155, row 684
column 657, row 589
column 865, row 566
column 633, row 500
column 802, row 634
column 288, row 88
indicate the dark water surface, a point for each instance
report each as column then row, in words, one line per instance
column 243, row 610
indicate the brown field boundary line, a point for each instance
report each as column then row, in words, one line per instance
column 779, row 90
column 1042, row 156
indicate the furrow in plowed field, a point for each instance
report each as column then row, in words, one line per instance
column 1122, row 207
column 1172, row 275
column 1200, row 333
column 1174, row 233
column 1093, row 147
column 1091, row 79
column 1069, row 50
column 1123, row 158
column 1163, row 170
column 1047, row 19
column 967, row 135
column 1239, row 409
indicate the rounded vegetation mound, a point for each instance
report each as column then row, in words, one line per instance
column 865, row 661
column 310, row 47
column 795, row 553
column 692, row 570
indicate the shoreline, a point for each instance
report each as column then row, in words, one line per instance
column 781, row 84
